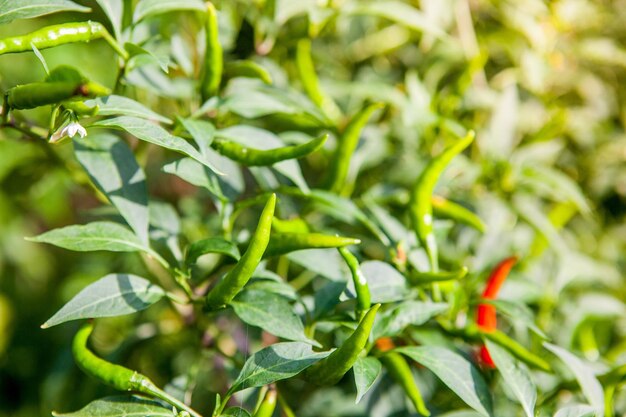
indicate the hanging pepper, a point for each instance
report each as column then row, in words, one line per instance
column 486, row 314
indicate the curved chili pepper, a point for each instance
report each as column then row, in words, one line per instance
column 55, row 35
column 421, row 208
column 213, row 56
column 331, row 369
column 400, row 371
column 29, row 96
column 295, row 225
column 306, row 70
column 247, row 69
column 486, row 314
column 234, row 281
column 421, row 278
column 257, row 157
column 446, row 208
column 348, row 141
column 267, row 407
column 117, row 376
column 363, row 296
column 282, row 243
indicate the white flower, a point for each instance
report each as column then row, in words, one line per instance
column 71, row 129
column 74, row 128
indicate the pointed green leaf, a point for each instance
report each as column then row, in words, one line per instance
column 456, row 372
column 235, row 412
column 584, row 375
column 270, row 312
column 150, row 132
column 11, row 10
column 114, row 10
column 276, row 362
column 93, row 236
column 119, row 105
column 110, row 296
column 577, row 411
column 147, row 8
column 121, row 406
column 393, row 321
column 516, row 377
column 112, row 167
column 366, row 371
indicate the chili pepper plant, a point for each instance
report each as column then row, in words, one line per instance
column 312, row 208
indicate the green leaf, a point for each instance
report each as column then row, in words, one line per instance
column 114, row 10
column 93, row 236
column 253, row 99
column 119, row 105
column 201, row 131
column 150, row 132
column 280, row 287
column 516, row 377
column 235, row 412
column 401, row 13
column 112, row 167
column 140, row 56
column 386, row 284
column 225, row 187
column 577, row 411
column 584, row 375
column 165, row 226
column 274, row 363
column 409, row 313
column 110, row 296
column 272, row 313
column 325, row 262
column 456, row 372
column 211, row 245
column 11, row 10
column 366, row 371
column 147, row 8
column 121, row 406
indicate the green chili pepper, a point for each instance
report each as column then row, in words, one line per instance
column 348, row 141
column 50, row 36
column 440, row 276
column 448, row 209
column 80, row 108
column 235, row 280
column 421, row 206
column 257, row 157
column 306, row 70
column 363, row 297
column 282, row 243
column 331, row 369
column 33, row 95
column 296, row 225
column 400, row 371
column 516, row 349
column 213, row 57
column 246, row 68
column 117, row 376
column 267, row 407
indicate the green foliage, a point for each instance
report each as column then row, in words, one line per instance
column 400, row 150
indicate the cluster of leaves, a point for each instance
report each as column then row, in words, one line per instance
column 151, row 182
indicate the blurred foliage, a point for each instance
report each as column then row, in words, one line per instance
column 541, row 83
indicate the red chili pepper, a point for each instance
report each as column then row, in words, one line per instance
column 486, row 315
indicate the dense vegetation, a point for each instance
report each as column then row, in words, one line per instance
column 407, row 157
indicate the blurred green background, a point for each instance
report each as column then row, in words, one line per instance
column 542, row 82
